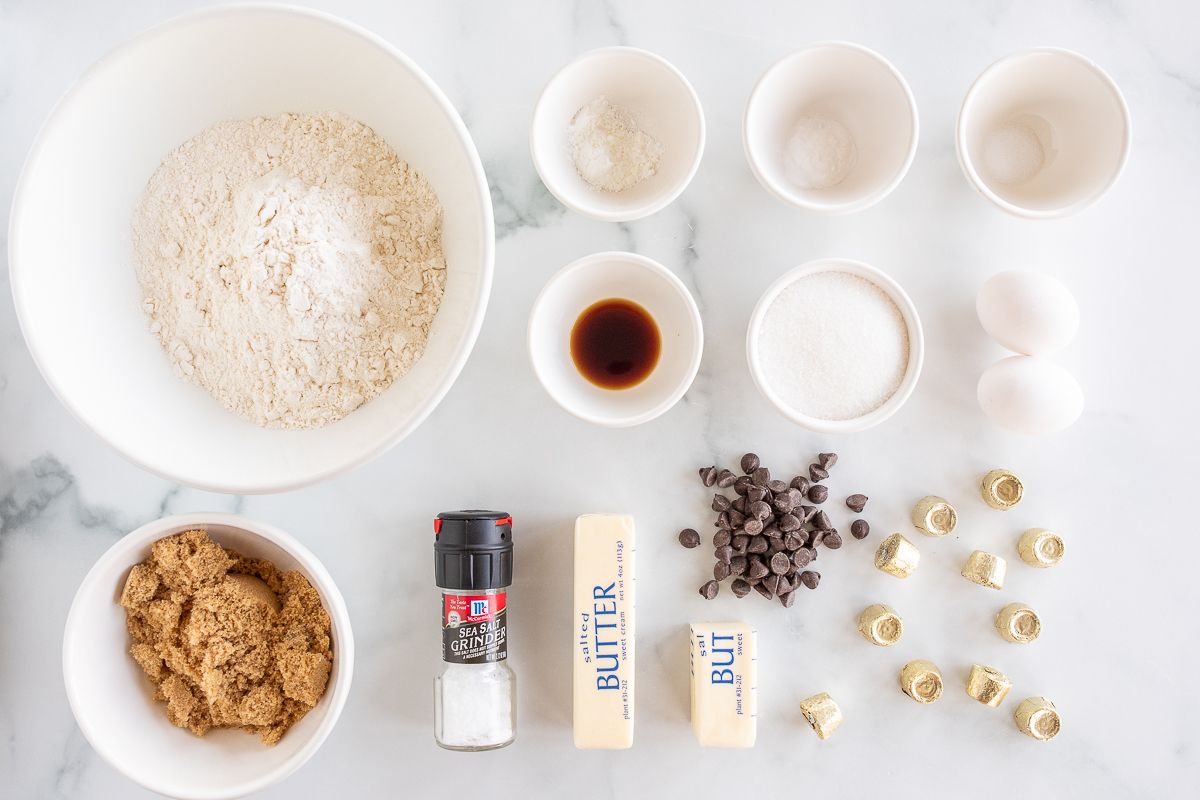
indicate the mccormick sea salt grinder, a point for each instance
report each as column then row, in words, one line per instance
column 475, row 696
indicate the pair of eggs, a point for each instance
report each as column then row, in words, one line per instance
column 1035, row 315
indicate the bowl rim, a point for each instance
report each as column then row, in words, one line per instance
column 790, row 197
column 122, row 551
column 453, row 367
column 655, row 204
column 912, row 321
column 976, row 180
column 660, row 272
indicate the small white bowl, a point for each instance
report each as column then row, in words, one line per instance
column 656, row 93
column 621, row 275
column 113, row 701
column 849, row 84
column 1048, row 102
column 90, row 164
column 916, row 345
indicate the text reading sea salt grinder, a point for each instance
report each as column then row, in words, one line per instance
column 475, row 698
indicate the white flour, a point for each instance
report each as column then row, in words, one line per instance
column 291, row 266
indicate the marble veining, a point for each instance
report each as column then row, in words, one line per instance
column 1118, row 649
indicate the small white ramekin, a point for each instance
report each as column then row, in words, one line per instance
column 615, row 275
column 113, row 702
column 916, row 345
column 1078, row 115
column 848, row 83
column 656, row 93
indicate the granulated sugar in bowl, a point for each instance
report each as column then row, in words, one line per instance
column 836, row 345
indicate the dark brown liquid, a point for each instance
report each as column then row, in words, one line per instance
column 615, row 344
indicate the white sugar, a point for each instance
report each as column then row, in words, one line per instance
column 833, row 346
column 1013, row 154
column 819, row 154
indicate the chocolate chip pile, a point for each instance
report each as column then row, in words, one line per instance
column 769, row 533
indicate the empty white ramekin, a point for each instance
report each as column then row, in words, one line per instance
column 847, row 83
column 1059, row 103
column 631, row 277
column 656, row 93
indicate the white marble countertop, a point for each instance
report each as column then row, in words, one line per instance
column 1119, row 652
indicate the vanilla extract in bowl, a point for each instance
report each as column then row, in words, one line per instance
column 615, row 344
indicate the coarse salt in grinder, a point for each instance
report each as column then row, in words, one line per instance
column 475, row 699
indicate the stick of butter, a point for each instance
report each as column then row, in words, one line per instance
column 604, row 631
column 724, row 683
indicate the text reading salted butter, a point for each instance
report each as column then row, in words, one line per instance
column 724, row 683
column 604, row 631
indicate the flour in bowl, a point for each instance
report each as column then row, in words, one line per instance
column 291, row 266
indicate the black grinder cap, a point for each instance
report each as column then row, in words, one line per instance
column 472, row 550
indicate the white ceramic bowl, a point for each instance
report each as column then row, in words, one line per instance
column 650, row 88
column 76, row 294
column 916, row 345
column 1052, row 106
column 113, row 701
column 599, row 277
column 851, row 85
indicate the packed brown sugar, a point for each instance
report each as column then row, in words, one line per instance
column 229, row 641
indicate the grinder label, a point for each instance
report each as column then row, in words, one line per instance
column 474, row 628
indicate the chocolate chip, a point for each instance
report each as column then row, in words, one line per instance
column 832, row 540
column 808, row 512
column 789, row 522
column 708, row 475
column 793, row 541
column 859, row 529
column 742, row 485
column 817, row 472
column 779, row 563
column 722, row 522
column 740, row 503
column 723, row 553
column 736, row 518
column 795, row 496
column 856, row 503
column 771, row 584
column 689, row 538
column 737, row 565
column 777, row 486
column 787, row 599
column 757, row 569
column 740, row 542
column 722, row 538
column 802, row 557
column 760, row 476
column 818, row 493
column 721, row 570
column 801, row 484
column 740, row 588
column 720, row 503
column 758, row 544
column 725, row 479
column 756, row 494
column 763, row 590
column 827, row 459
column 772, row 532
column 760, row 510
column 749, row 463
column 753, row 526
column 782, row 504
column 810, row 579
column 709, row 590
column 776, row 545
column 815, row 538
column 820, row 521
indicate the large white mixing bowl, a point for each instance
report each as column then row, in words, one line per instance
column 70, row 251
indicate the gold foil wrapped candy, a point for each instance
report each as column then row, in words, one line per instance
column 881, row 625
column 921, row 680
column 1001, row 489
column 897, row 556
column 1037, row 717
column 934, row 516
column 822, row 714
column 1018, row 623
column 1040, row 547
column 986, row 569
column 987, row 685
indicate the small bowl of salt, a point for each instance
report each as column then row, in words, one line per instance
column 836, row 345
column 617, row 134
column 1043, row 133
column 832, row 127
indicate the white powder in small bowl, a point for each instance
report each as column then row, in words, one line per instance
column 1013, row 154
column 611, row 152
column 819, row 154
column 833, row 346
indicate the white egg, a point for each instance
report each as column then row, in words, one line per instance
column 1028, row 312
column 1030, row 394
